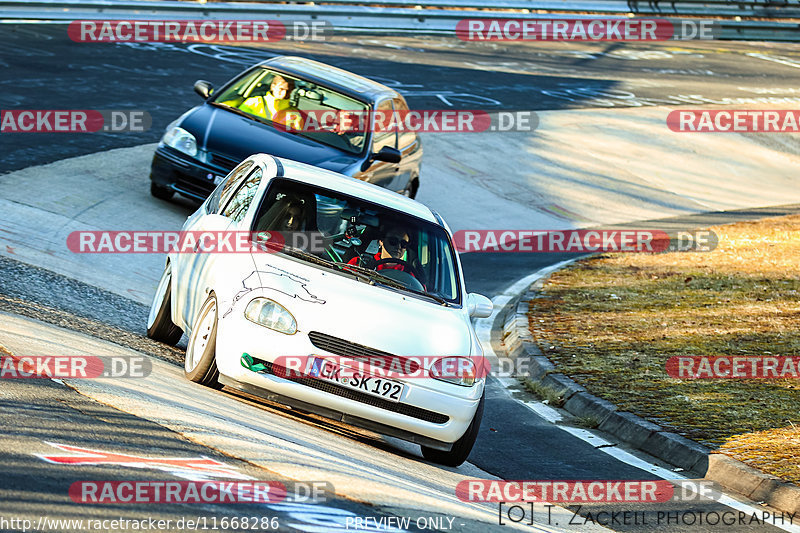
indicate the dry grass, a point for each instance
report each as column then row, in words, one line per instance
column 611, row 323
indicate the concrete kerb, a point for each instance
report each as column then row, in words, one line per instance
column 631, row 429
column 753, row 483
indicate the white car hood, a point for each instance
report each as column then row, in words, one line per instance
column 374, row 316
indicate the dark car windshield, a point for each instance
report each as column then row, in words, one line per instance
column 347, row 234
column 295, row 105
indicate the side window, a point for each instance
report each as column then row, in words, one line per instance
column 238, row 206
column 222, row 193
column 406, row 138
column 383, row 138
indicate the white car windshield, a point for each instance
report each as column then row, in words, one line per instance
column 365, row 240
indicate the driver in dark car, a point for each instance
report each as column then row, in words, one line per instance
column 276, row 105
column 394, row 242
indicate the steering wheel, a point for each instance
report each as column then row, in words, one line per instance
column 405, row 264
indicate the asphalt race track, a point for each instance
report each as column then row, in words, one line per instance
column 49, row 304
column 50, row 71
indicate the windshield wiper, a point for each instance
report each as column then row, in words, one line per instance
column 374, row 275
column 432, row 296
column 369, row 274
column 302, row 254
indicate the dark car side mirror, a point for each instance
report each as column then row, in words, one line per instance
column 388, row 154
column 203, row 88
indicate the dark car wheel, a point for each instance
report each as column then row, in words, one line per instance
column 200, row 365
column 411, row 189
column 162, row 193
column 461, row 448
column 159, row 322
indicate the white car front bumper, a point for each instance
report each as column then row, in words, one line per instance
column 430, row 412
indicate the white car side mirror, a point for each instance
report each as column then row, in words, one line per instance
column 479, row 306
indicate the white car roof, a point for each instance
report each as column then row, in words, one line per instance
column 350, row 186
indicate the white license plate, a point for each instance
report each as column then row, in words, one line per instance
column 357, row 380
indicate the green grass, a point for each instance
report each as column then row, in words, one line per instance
column 612, row 321
column 543, row 393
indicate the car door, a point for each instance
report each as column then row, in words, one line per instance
column 189, row 265
column 380, row 172
column 410, row 148
column 214, row 270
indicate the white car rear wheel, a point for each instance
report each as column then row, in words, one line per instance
column 200, row 365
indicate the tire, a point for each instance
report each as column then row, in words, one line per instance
column 411, row 190
column 461, row 448
column 200, row 364
column 159, row 322
column 162, row 193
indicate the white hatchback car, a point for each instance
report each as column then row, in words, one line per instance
column 364, row 274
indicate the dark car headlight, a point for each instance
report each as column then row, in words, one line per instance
column 181, row 140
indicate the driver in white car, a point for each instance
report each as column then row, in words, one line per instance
column 394, row 243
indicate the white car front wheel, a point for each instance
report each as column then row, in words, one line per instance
column 200, row 365
column 159, row 322
column 462, row 447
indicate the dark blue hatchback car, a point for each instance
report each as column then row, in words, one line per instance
column 240, row 119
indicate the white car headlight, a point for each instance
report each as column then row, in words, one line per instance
column 457, row 370
column 181, row 140
column 272, row 315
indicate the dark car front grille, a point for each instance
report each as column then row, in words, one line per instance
column 193, row 185
column 355, row 351
column 332, row 388
column 224, row 161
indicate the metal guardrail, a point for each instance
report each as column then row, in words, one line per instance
column 372, row 15
column 708, row 8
